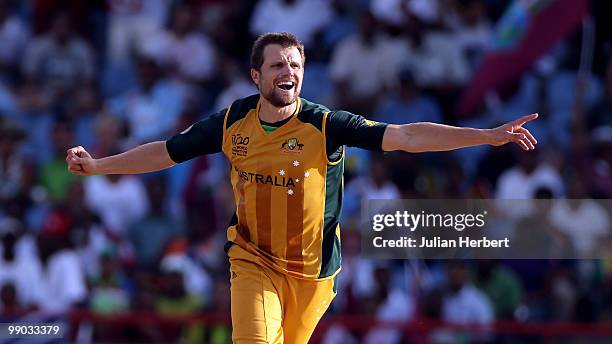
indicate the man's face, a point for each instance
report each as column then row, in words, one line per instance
column 280, row 77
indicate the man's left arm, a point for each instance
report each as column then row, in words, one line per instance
column 434, row 137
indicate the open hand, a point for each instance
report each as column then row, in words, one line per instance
column 515, row 132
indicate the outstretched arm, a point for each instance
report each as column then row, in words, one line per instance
column 433, row 137
column 148, row 157
column 203, row 137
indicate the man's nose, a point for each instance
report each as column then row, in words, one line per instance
column 286, row 69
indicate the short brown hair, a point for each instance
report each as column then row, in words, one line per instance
column 284, row 39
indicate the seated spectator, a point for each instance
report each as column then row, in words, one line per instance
column 9, row 301
column 90, row 238
column 288, row 15
column 464, row 304
column 61, row 285
column 12, row 161
column 110, row 290
column 14, row 37
column 54, row 176
column 394, row 13
column 119, row 200
column 108, row 134
column 110, row 294
column 408, row 105
column 174, row 300
column 594, row 162
column 59, row 59
column 521, row 181
column 130, row 24
column 358, row 87
column 374, row 185
column 393, row 304
column 501, row 285
column 601, row 114
column 18, row 262
column 153, row 231
column 151, row 111
column 434, row 57
column 183, row 48
column 471, row 29
column 237, row 84
column 584, row 221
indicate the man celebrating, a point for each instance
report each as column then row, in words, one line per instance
column 286, row 156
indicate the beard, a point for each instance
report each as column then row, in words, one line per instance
column 277, row 99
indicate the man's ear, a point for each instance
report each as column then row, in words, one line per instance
column 255, row 76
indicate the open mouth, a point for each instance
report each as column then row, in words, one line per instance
column 286, row 85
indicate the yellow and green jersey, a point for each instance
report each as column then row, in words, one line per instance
column 287, row 182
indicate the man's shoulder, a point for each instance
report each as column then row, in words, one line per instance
column 308, row 106
column 312, row 113
column 240, row 108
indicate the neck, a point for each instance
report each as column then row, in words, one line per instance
column 270, row 113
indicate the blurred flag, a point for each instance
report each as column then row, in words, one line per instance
column 527, row 30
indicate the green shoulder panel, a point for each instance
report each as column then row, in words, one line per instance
column 240, row 108
column 312, row 113
column 331, row 260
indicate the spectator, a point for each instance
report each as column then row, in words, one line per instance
column 501, row 285
column 110, row 289
column 288, row 15
column 521, row 181
column 601, row 114
column 14, row 37
column 358, row 87
column 594, row 161
column 587, row 215
column 118, row 200
column 174, row 300
column 375, row 185
column 89, row 235
column 395, row 12
column 108, row 134
column 61, row 285
column 9, row 301
column 408, row 105
column 237, row 85
column 182, row 48
column 152, row 110
column 109, row 295
column 464, row 304
column 18, row 263
column 59, row 59
column 12, row 161
column 153, row 231
column 393, row 305
column 130, row 23
column 435, row 57
column 53, row 175
column 471, row 29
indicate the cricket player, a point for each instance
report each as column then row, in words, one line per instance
column 286, row 155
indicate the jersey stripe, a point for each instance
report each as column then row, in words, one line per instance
column 264, row 227
column 295, row 228
column 242, row 227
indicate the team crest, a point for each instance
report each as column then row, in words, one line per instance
column 292, row 146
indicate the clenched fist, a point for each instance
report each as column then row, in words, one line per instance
column 80, row 162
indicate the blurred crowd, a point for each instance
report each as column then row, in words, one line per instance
column 109, row 75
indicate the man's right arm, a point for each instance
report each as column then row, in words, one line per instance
column 149, row 157
column 203, row 137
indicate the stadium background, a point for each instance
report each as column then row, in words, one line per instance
column 139, row 258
